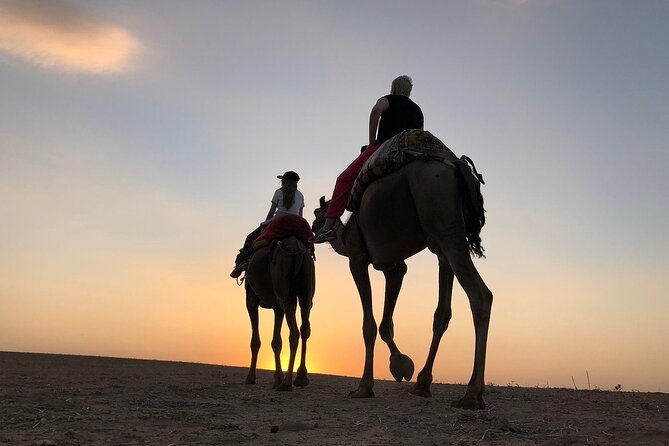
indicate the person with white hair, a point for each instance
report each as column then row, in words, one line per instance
column 390, row 115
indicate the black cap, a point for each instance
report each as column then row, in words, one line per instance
column 290, row 175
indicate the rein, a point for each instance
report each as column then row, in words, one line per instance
column 300, row 252
column 281, row 246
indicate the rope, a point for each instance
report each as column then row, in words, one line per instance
column 240, row 280
column 304, row 249
column 301, row 253
column 478, row 175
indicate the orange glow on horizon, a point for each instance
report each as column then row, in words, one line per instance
column 268, row 363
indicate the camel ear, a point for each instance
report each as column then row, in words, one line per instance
column 323, row 201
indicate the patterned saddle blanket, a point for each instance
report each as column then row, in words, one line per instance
column 285, row 226
column 396, row 152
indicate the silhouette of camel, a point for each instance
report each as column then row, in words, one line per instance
column 424, row 204
column 278, row 277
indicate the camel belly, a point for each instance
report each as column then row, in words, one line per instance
column 393, row 216
column 389, row 221
column 258, row 278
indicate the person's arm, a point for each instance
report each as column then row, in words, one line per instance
column 272, row 210
column 301, row 209
column 381, row 105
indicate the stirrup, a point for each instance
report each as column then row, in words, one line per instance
column 239, row 269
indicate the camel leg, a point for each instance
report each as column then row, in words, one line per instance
column 442, row 316
column 252, row 307
column 359, row 270
column 294, row 338
column 276, row 347
column 301, row 379
column 401, row 366
column 480, row 302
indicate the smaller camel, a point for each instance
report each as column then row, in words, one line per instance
column 280, row 276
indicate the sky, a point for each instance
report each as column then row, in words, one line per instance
column 139, row 144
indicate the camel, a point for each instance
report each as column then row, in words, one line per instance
column 280, row 276
column 424, row 204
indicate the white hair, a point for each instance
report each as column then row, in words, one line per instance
column 402, row 85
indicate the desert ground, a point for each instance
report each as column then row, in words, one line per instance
column 63, row 400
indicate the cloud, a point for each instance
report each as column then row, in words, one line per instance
column 54, row 34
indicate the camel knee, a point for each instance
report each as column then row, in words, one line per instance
column 441, row 321
column 369, row 331
column 305, row 331
column 482, row 307
column 255, row 344
column 277, row 344
column 386, row 331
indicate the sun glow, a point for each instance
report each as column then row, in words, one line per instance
column 268, row 362
column 69, row 41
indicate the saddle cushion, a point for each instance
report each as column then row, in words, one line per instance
column 396, row 152
column 285, row 226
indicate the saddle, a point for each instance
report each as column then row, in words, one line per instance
column 283, row 227
column 402, row 149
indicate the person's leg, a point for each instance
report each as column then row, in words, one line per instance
column 344, row 184
column 341, row 192
column 248, row 243
column 245, row 253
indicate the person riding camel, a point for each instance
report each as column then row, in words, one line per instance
column 390, row 115
column 287, row 200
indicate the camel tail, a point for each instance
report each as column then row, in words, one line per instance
column 472, row 204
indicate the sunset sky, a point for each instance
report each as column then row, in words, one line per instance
column 140, row 143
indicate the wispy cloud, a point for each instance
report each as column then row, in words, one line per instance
column 59, row 35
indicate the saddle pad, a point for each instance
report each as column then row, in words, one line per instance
column 396, row 152
column 285, row 226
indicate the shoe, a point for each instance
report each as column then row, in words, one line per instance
column 323, row 236
column 239, row 269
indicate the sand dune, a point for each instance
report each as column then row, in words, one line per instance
column 61, row 400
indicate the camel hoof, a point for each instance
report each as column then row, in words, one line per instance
column 362, row 392
column 469, row 403
column 250, row 380
column 401, row 367
column 301, row 380
column 278, row 379
column 285, row 387
column 423, row 392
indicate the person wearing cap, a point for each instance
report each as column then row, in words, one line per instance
column 390, row 115
column 286, row 200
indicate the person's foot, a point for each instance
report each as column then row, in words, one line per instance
column 239, row 269
column 325, row 235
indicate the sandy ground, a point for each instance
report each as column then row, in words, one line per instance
column 61, row 400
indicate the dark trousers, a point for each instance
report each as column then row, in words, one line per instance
column 246, row 251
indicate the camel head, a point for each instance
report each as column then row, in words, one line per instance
column 319, row 213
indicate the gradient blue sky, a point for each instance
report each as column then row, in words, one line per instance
column 140, row 142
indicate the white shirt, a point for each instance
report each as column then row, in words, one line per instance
column 298, row 203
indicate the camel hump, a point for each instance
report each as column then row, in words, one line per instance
column 395, row 153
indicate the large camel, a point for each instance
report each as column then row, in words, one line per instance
column 278, row 277
column 424, row 204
